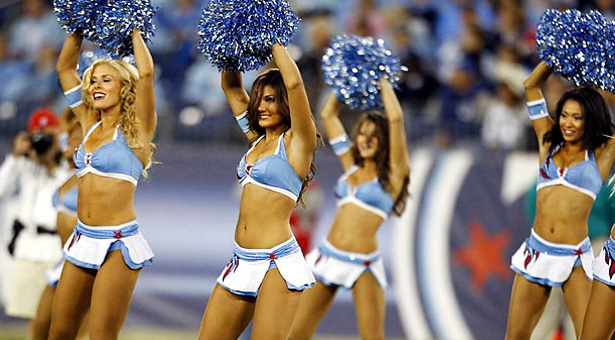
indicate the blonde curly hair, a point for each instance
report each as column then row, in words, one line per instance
column 129, row 76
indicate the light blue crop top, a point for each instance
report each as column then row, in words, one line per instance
column 370, row 196
column 583, row 177
column 272, row 172
column 114, row 159
column 68, row 203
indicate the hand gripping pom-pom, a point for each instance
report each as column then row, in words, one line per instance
column 352, row 65
column 109, row 24
column 579, row 46
column 237, row 35
column 117, row 20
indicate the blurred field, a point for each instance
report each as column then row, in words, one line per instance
column 16, row 333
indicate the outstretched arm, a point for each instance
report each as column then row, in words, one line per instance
column 398, row 157
column 69, row 78
column 537, row 105
column 145, row 101
column 303, row 140
column 238, row 99
column 336, row 134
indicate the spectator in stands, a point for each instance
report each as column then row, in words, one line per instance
column 37, row 27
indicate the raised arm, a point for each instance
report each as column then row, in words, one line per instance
column 537, row 105
column 336, row 134
column 238, row 99
column 145, row 101
column 303, row 129
column 398, row 157
column 69, row 78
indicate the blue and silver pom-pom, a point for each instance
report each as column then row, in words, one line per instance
column 78, row 16
column 579, row 46
column 352, row 65
column 117, row 20
column 237, row 35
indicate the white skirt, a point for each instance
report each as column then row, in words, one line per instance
column 88, row 246
column 604, row 264
column 336, row 267
column 247, row 268
column 551, row 264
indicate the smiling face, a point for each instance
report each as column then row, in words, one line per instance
column 572, row 121
column 105, row 87
column 268, row 114
column 367, row 142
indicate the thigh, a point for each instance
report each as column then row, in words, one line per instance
column 226, row 315
column 576, row 293
column 71, row 301
column 527, row 303
column 111, row 297
column 313, row 306
column 370, row 306
column 551, row 317
column 600, row 316
column 276, row 306
column 39, row 328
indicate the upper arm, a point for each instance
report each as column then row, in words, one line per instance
column 71, row 86
column 145, row 105
column 336, row 134
column 606, row 158
column 541, row 120
column 237, row 97
column 398, row 161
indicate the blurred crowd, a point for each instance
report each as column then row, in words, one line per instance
column 467, row 60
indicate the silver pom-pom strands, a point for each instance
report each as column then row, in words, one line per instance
column 117, row 21
column 107, row 23
column 237, row 35
column 352, row 65
column 579, row 46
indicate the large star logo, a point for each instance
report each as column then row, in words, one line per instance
column 484, row 256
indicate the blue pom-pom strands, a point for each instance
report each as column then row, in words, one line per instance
column 237, row 35
column 107, row 23
column 78, row 16
column 352, row 65
column 579, row 46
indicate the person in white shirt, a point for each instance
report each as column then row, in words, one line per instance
column 34, row 167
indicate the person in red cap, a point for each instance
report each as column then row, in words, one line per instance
column 43, row 119
column 34, row 167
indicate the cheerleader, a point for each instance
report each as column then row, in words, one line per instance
column 267, row 273
column 115, row 105
column 575, row 156
column 373, row 186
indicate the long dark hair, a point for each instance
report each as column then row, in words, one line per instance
column 273, row 78
column 382, row 157
column 598, row 123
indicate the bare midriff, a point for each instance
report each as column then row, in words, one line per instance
column 562, row 214
column 105, row 201
column 264, row 217
column 354, row 229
